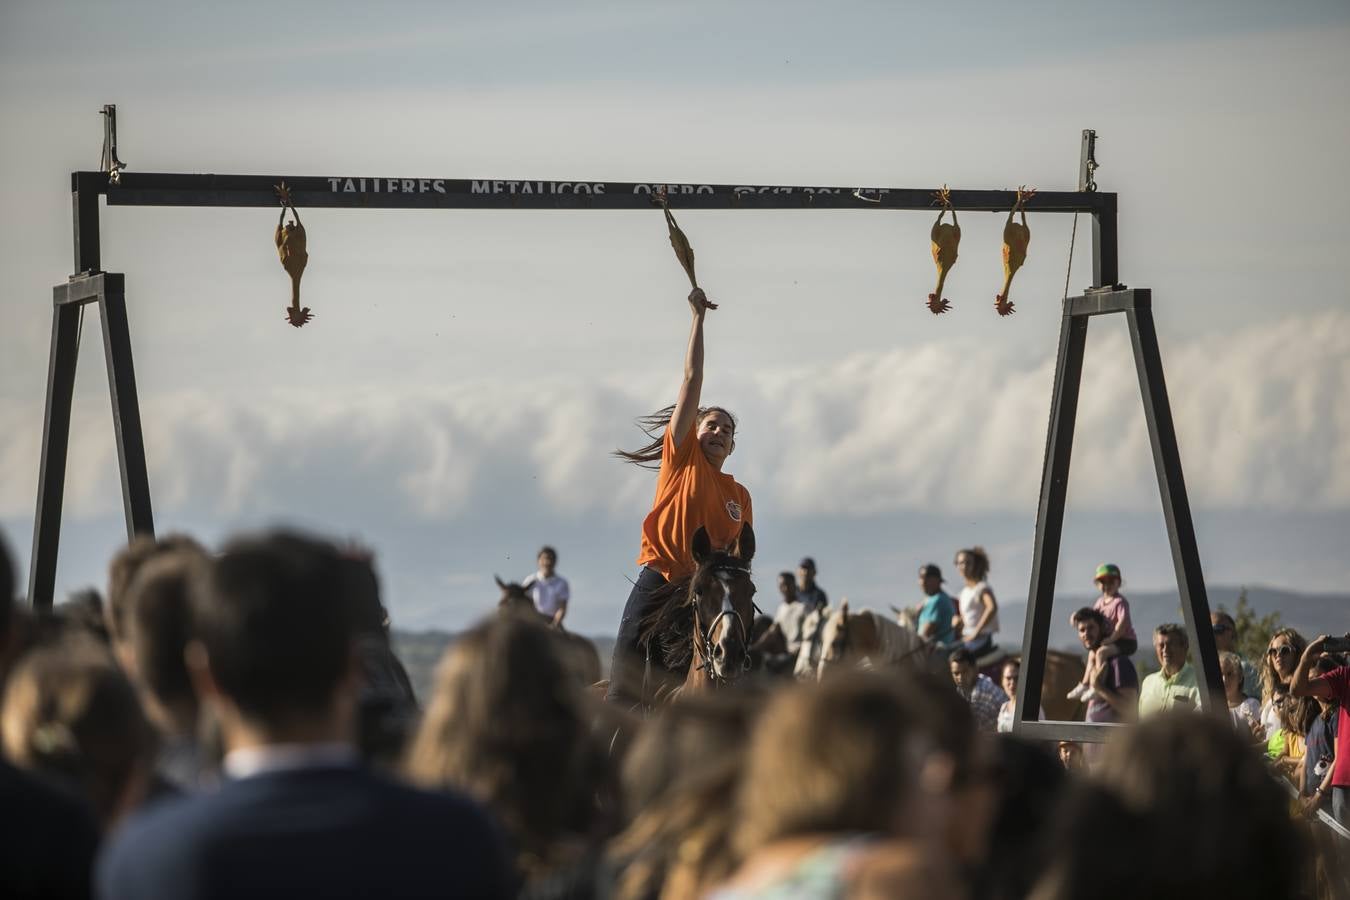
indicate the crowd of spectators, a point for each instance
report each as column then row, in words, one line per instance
column 235, row 724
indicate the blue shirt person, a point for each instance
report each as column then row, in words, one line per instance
column 938, row 608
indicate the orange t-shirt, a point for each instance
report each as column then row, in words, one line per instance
column 690, row 493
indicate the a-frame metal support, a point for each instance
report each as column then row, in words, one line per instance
column 107, row 290
column 1137, row 306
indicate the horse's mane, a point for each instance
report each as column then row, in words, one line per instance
column 666, row 631
column 896, row 642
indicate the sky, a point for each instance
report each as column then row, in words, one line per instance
column 454, row 402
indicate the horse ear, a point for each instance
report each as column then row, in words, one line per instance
column 745, row 544
column 501, row 584
column 843, row 607
column 702, row 545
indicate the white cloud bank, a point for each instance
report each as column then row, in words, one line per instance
column 950, row 427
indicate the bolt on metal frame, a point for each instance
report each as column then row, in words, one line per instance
column 91, row 284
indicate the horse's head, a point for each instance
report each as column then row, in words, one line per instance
column 808, row 654
column 514, row 598
column 722, row 596
column 834, row 638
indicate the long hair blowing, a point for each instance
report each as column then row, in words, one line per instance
column 654, row 426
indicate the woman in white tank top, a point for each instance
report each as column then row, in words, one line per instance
column 976, row 606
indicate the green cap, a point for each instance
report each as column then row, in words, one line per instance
column 1106, row 569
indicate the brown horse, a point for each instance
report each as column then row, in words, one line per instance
column 1062, row 671
column 579, row 654
column 703, row 627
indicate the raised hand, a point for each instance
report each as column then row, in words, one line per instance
column 699, row 301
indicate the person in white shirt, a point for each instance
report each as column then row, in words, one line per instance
column 790, row 613
column 976, row 606
column 548, row 589
column 1012, row 670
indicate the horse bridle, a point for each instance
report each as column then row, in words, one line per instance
column 723, row 574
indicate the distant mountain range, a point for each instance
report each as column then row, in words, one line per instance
column 1311, row 614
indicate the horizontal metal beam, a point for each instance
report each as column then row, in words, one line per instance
column 344, row 192
column 1098, row 303
column 82, row 289
column 1082, row 732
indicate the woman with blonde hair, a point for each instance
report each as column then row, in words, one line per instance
column 839, row 799
column 1277, row 673
column 509, row 727
column 70, row 714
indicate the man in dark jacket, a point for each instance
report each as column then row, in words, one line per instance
column 297, row 815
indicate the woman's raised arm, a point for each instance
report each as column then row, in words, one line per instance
column 691, row 389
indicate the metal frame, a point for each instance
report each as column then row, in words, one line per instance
column 119, row 188
column 1137, row 307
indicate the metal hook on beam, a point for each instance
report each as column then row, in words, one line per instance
column 1087, row 162
column 109, row 162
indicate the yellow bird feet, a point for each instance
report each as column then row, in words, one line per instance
column 298, row 317
column 937, row 307
column 1003, row 305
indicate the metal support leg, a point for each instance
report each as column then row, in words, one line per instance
column 1176, row 507
column 1136, row 304
column 1050, row 514
column 85, row 189
column 1105, row 247
column 55, row 441
column 126, row 411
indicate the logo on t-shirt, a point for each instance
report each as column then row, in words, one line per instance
column 734, row 510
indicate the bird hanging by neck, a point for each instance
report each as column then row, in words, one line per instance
column 946, row 238
column 1016, row 237
column 290, row 241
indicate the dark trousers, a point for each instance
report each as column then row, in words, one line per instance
column 1340, row 805
column 628, row 666
column 980, row 645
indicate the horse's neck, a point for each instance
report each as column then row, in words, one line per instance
column 862, row 634
column 901, row 641
column 890, row 640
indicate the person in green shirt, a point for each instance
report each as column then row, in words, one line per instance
column 1174, row 687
